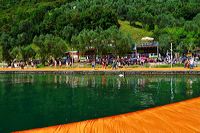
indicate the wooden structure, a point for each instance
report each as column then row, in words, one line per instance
column 148, row 48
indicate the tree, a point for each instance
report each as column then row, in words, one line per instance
column 16, row 53
column 28, row 52
column 103, row 41
column 1, row 54
column 50, row 46
column 6, row 42
column 164, row 41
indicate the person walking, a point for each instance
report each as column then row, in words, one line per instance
column 114, row 64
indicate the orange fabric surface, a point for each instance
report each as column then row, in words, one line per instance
column 178, row 117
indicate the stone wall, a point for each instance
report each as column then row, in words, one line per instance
column 106, row 72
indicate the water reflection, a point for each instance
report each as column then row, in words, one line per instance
column 58, row 99
column 103, row 80
column 142, row 82
column 17, row 79
column 171, row 89
column 137, row 83
column 189, row 90
column 118, row 83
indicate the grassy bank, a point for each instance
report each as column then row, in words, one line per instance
column 136, row 33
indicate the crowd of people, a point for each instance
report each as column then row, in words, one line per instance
column 21, row 64
column 111, row 61
column 189, row 63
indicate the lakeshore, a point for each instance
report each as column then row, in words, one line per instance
column 100, row 71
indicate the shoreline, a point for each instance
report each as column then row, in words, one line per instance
column 100, row 71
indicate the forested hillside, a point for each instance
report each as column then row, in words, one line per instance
column 44, row 28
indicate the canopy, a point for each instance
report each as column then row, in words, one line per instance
column 147, row 39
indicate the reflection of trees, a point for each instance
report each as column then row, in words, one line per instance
column 141, row 82
column 21, row 78
column 55, row 79
column 93, row 82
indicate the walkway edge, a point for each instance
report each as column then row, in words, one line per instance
column 176, row 117
column 102, row 72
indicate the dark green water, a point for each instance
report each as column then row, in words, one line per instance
column 32, row 101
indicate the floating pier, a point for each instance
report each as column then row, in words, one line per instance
column 178, row 117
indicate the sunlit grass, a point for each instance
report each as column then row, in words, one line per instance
column 136, row 33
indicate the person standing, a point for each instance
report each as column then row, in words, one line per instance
column 32, row 63
column 60, row 63
column 55, row 63
column 114, row 64
column 103, row 64
column 106, row 63
column 191, row 63
column 93, row 64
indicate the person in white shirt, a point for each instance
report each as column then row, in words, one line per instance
column 191, row 63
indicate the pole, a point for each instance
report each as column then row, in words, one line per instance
column 72, row 57
column 157, row 52
column 171, row 56
column 72, row 61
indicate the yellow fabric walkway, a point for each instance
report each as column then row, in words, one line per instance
column 100, row 69
column 178, row 117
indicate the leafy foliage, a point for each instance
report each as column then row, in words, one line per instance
column 50, row 46
column 104, row 41
column 29, row 27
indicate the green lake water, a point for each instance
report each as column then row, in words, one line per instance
column 33, row 101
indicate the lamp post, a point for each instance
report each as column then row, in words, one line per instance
column 72, row 57
column 171, row 56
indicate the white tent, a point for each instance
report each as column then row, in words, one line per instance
column 147, row 39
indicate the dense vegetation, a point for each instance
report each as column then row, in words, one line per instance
column 48, row 28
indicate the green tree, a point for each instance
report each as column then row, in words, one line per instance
column 6, row 42
column 103, row 41
column 16, row 53
column 50, row 46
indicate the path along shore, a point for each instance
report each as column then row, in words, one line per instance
column 101, row 69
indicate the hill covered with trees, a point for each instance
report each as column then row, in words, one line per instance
column 48, row 28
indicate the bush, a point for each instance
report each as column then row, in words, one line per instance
column 39, row 66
